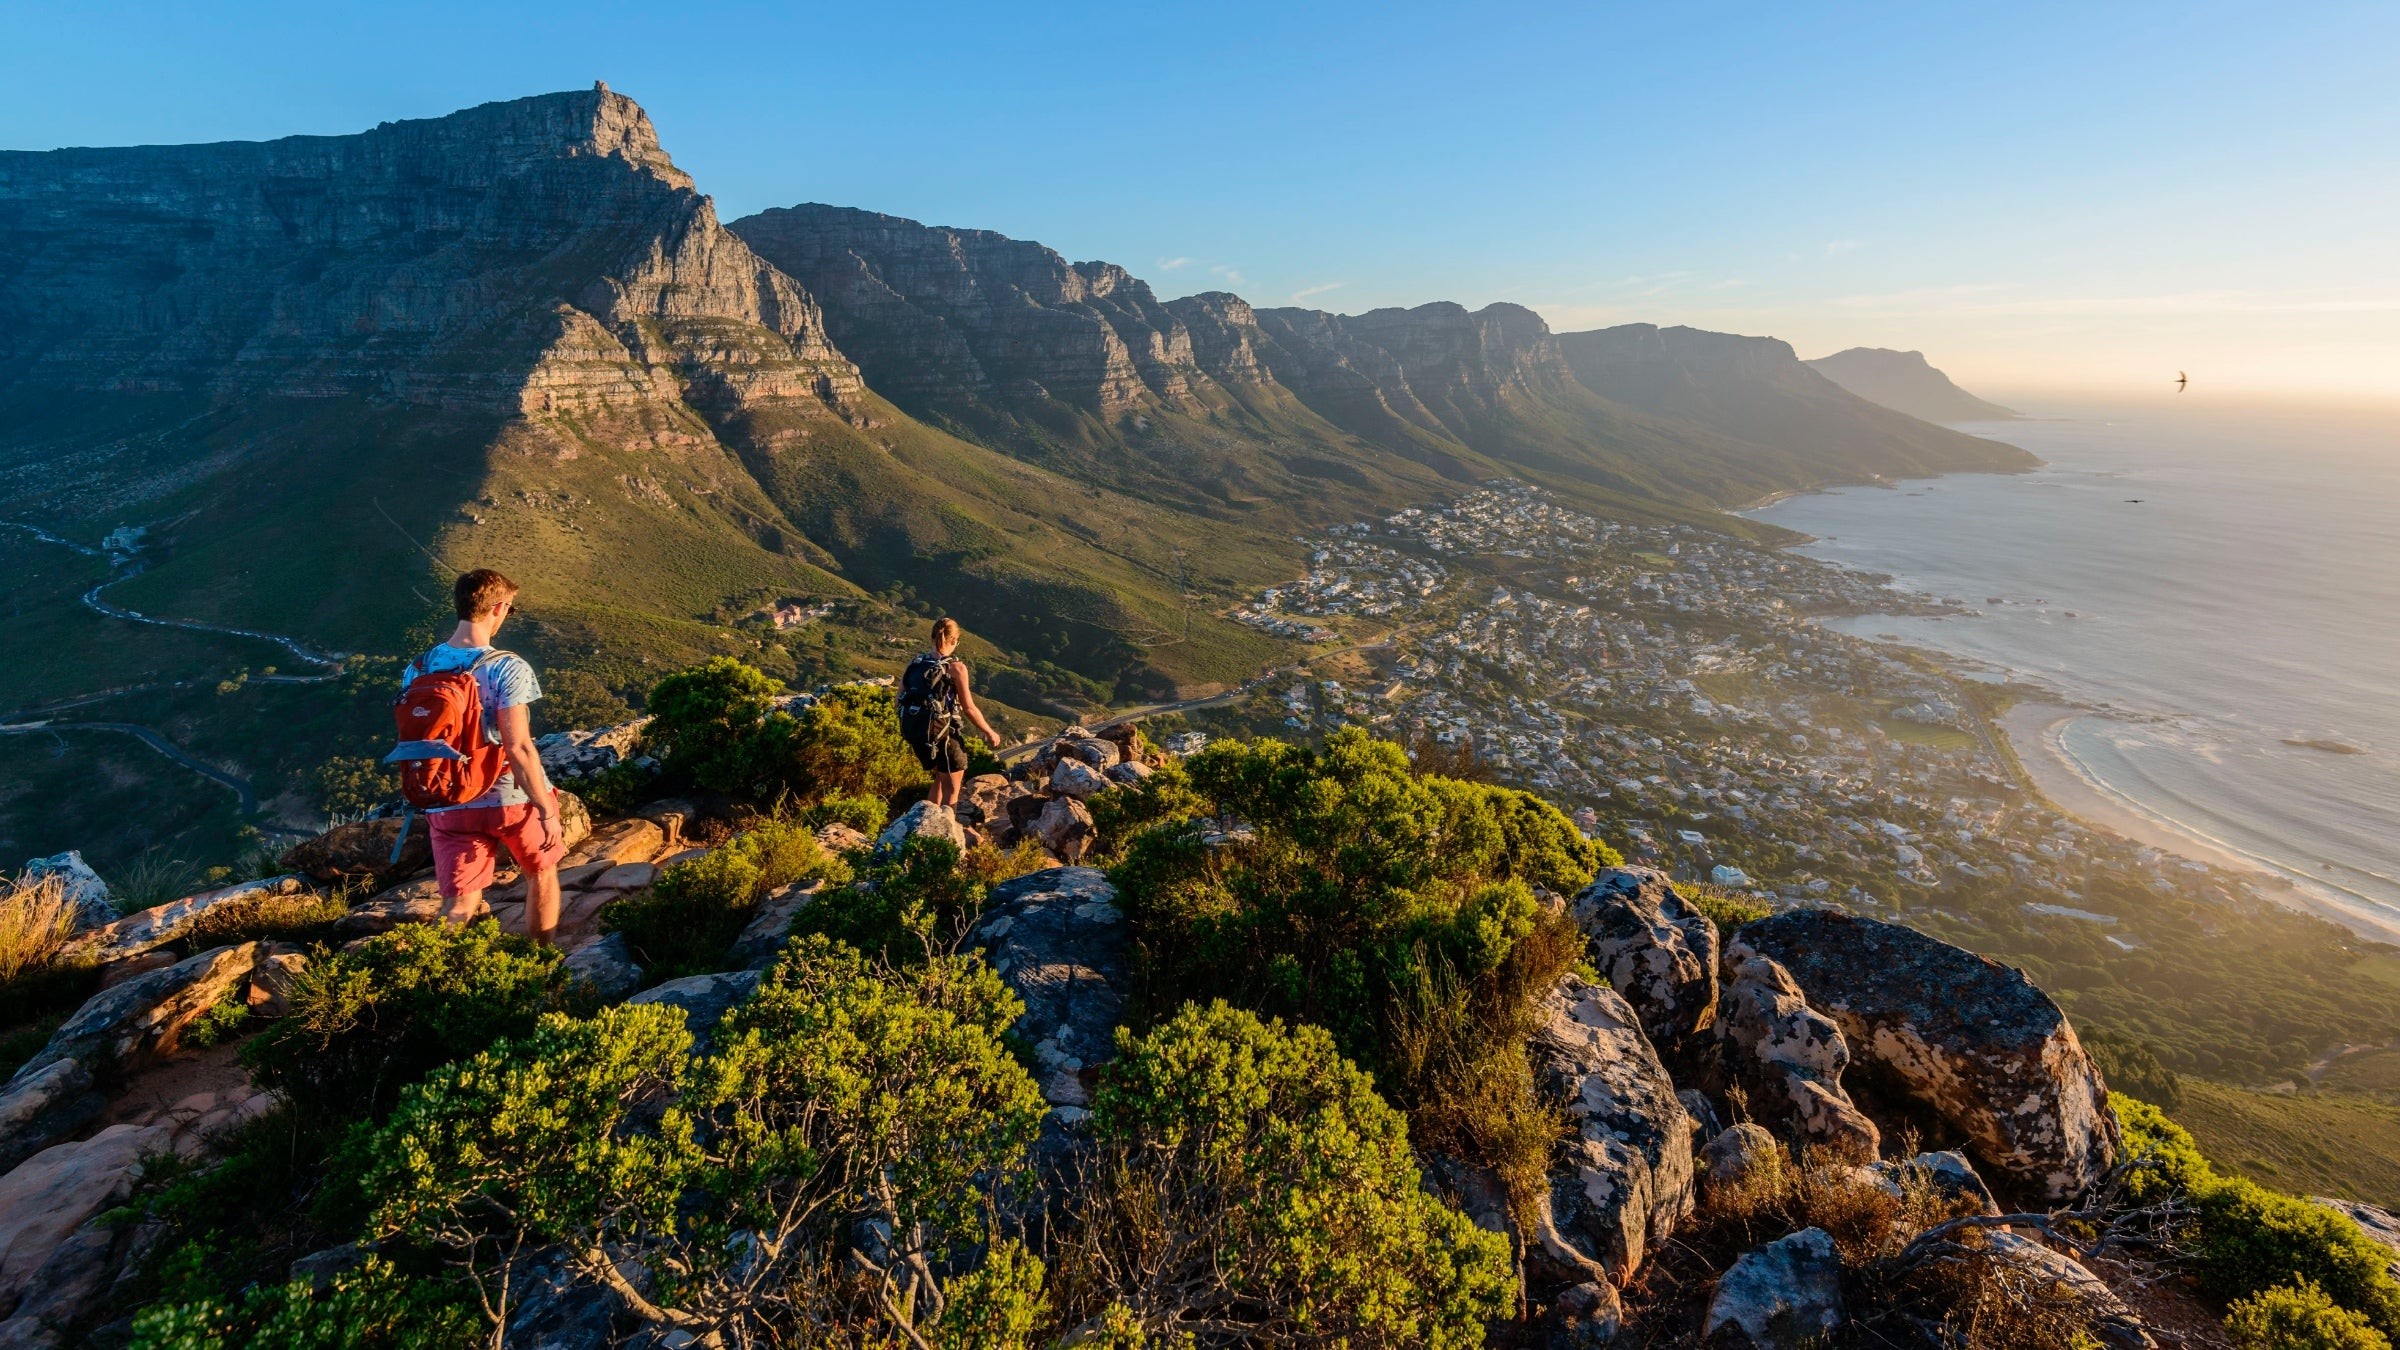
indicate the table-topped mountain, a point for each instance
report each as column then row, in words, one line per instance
column 1080, row 365
column 1906, row 382
column 518, row 335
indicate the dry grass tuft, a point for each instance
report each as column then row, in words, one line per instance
column 36, row 918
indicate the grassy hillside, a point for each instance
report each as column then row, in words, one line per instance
column 2312, row 1144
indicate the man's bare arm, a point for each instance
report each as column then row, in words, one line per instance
column 516, row 742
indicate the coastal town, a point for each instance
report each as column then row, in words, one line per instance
column 1669, row 688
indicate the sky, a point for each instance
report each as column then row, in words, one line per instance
column 2041, row 197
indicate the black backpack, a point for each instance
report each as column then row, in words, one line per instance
column 928, row 701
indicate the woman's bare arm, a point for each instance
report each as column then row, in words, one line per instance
column 966, row 704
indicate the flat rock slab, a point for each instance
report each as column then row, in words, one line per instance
column 123, row 1028
column 1058, row 939
column 1782, row 1296
column 770, row 925
column 1968, row 1038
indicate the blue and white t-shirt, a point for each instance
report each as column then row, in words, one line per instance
column 507, row 682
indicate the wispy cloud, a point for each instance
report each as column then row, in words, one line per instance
column 1230, row 273
column 1319, row 289
column 1837, row 246
column 1997, row 299
column 1170, row 264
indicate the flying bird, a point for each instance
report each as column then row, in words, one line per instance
column 2181, row 380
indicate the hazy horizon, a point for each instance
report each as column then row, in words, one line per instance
column 2045, row 198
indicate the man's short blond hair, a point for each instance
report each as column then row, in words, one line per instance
column 480, row 592
column 945, row 631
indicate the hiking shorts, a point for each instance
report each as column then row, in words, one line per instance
column 467, row 844
column 947, row 755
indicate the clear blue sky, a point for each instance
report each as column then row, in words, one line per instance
column 2038, row 195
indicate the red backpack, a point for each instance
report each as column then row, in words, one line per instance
column 443, row 756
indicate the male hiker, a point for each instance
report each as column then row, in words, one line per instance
column 467, row 760
column 935, row 708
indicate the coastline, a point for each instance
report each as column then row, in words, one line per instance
column 2034, row 732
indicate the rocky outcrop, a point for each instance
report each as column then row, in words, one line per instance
column 148, row 929
column 2378, row 1223
column 1057, row 938
column 1585, row 1316
column 1656, row 950
column 770, row 927
column 85, row 893
column 1946, row 1174
column 703, row 999
column 126, row 1027
column 362, row 851
column 568, row 755
column 1788, row 1058
column 1065, row 829
column 1622, row 1181
column 924, row 820
column 605, row 967
column 1739, row 1158
column 1783, row 1296
column 1963, row 1036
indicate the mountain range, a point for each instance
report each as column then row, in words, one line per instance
column 326, row 371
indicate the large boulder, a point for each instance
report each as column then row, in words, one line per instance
column 836, row 838
column 45, row 1199
column 417, row 901
column 1967, row 1038
column 631, row 840
column 1074, row 778
column 85, row 893
column 1946, row 1174
column 122, row 1029
column 1788, row 1058
column 983, row 799
column 155, row 927
column 923, row 820
column 1739, row 1158
column 1782, row 1296
column 362, row 851
column 1656, row 950
column 579, row 754
column 1057, row 938
column 1075, row 743
column 1622, row 1181
column 1586, row 1316
column 1065, row 829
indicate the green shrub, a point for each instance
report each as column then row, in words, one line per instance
column 306, row 917
column 918, row 904
column 1251, row 1188
column 574, row 700
column 2245, row 1239
column 1725, row 910
column 840, row 1095
column 705, row 723
column 221, row 1022
column 1399, row 912
column 867, row 815
column 1119, row 814
column 684, row 922
column 716, row 727
column 374, row 1307
column 367, row 1021
column 2300, row 1317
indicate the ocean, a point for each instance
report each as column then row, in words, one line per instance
column 2220, row 588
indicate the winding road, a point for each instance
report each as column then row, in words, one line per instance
column 126, row 567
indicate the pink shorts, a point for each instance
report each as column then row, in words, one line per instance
column 467, row 844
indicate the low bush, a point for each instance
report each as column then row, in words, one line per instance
column 919, row 904
column 2299, row 1317
column 2244, row 1239
column 2130, row 1066
column 1723, row 908
column 374, row 1307
column 349, row 786
column 867, row 815
column 684, row 922
column 1405, row 914
column 367, row 1021
column 716, row 727
column 842, row 1098
column 1251, row 1188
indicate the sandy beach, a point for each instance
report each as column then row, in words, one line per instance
column 2033, row 731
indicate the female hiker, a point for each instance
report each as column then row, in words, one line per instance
column 936, row 707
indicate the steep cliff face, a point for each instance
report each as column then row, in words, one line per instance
column 434, row 262
column 1757, row 391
